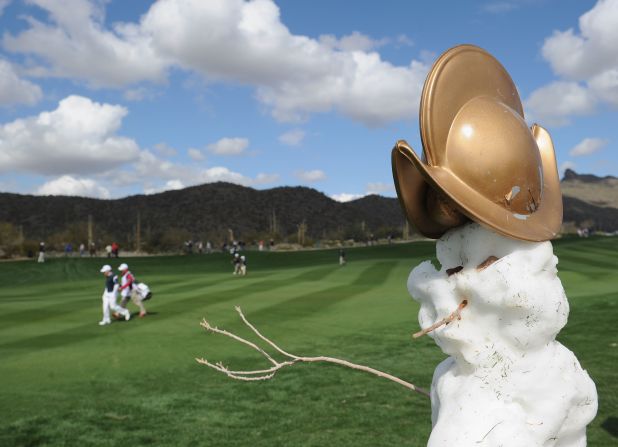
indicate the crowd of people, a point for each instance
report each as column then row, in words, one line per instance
column 111, row 250
column 128, row 288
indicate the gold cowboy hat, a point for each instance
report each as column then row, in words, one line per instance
column 480, row 160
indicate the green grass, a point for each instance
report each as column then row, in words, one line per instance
column 67, row 381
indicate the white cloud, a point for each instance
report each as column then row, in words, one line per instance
column 345, row 197
column 379, row 188
column 404, row 40
column 351, row 42
column 224, row 40
column 264, row 179
column 589, row 56
column 78, row 137
column 222, row 174
column 311, row 176
column 294, row 75
column 566, row 165
column 149, row 166
column 229, row 146
column 195, row 154
column 156, row 175
column 75, row 44
column 3, row 5
column 292, row 137
column 13, row 89
column 165, row 149
column 554, row 103
column 592, row 51
column 587, row 146
column 372, row 188
column 73, row 186
column 138, row 94
column 605, row 85
column 170, row 185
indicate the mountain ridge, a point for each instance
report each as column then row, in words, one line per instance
column 209, row 211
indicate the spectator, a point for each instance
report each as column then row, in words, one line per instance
column 342, row 260
column 41, row 252
column 115, row 249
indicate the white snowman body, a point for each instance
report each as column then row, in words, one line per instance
column 507, row 381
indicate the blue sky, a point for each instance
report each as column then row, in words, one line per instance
column 112, row 98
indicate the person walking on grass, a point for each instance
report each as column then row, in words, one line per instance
column 128, row 290
column 109, row 297
column 342, row 260
column 41, row 252
column 243, row 266
column 236, row 263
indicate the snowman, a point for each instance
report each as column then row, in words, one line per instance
column 487, row 188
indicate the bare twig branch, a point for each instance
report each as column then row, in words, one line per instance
column 455, row 314
column 206, row 325
column 266, row 374
column 261, row 336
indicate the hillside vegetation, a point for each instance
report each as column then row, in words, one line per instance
column 209, row 211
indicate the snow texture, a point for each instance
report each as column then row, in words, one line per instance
column 507, row 382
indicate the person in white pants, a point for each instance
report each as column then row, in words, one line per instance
column 109, row 297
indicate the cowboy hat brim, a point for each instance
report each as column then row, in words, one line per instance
column 413, row 176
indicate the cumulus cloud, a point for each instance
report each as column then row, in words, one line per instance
column 352, row 42
column 380, row 188
column 3, row 5
column 229, row 146
column 75, row 44
column 404, row 40
column 155, row 174
column 195, row 154
column 292, row 137
column 165, row 149
column 372, row 188
column 566, row 165
column 590, row 52
column 229, row 41
column 311, row 176
column 149, row 166
column 294, row 75
column 265, row 179
column 554, row 103
column 13, row 89
column 586, row 58
column 588, row 146
column 170, row 185
column 73, row 186
column 605, row 85
column 78, row 137
column 345, row 197
column 138, row 94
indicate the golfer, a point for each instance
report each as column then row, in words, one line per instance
column 236, row 263
column 109, row 297
column 128, row 290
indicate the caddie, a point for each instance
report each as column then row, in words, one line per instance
column 128, row 290
column 109, row 297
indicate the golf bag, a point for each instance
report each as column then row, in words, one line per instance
column 143, row 291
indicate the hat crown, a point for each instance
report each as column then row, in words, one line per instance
column 491, row 149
